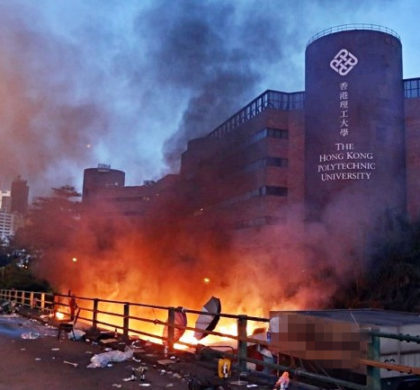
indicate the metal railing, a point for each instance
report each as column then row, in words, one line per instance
column 125, row 318
column 269, row 99
column 351, row 27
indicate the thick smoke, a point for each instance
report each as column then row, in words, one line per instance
column 217, row 54
column 110, row 82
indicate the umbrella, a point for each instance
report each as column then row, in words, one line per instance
column 208, row 321
column 180, row 322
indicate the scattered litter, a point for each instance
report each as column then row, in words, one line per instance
column 23, row 349
column 108, row 341
column 53, row 357
column 109, row 365
column 70, row 363
column 173, row 358
column 150, row 354
column 121, row 343
column 102, row 359
column 76, row 335
column 162, row 372
column 89, row 352
column 238, row 383
column 29, row 335
column 251, row 385
column 136, row 360
column 144, row 384
column 165, row 362
column 55, row 349
column 176, row 375
column 117, row 385
column 130, row 378
column 140, row 372
column 170, row 385
column 37, row 359
column 135, row 343
column 107, row 349
column 87, row 340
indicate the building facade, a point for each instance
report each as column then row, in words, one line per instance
column 19, row 196
column 352, row 138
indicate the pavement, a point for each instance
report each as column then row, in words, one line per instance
column 41, row 361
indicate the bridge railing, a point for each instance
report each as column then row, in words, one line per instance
column 143, row 320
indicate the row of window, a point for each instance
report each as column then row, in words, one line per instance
column 259, row 221
column 269, row 99
column 261, row 191
column 268, row 132
column 267, row 162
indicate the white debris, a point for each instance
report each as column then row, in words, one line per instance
column 29, row 335
column 130, row 378
column 102, row 359
column 70, row 363
column 76, row 335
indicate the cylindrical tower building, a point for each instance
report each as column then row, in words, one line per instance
column 97, row 179
column 354, row 119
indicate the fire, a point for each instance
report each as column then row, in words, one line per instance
column 59, row 315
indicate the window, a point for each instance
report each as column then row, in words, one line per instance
column 267, row 162
column 412, row 88
column 273, row 190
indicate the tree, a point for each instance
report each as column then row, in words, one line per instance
column 51, row 220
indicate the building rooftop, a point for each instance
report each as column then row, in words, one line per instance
column 269, row 99
column 352, row 27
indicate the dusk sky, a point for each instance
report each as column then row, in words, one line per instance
column 128, row 82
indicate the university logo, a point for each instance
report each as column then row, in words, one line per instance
column 343, row 62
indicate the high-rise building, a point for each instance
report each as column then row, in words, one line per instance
column 5, row 201
column 19, row 196
column 95, row 180
column 7, row 224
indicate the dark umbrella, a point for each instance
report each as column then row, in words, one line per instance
column 208, row 321
column 180, row 322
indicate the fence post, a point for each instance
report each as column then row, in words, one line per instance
column 31, row 299
column 171, row 329
column 23, row 298
column 373, row 379
column 242, row 344
column 95, row 313
column 126, row 320
column 42, row 301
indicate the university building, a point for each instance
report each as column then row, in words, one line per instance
column 351, row 141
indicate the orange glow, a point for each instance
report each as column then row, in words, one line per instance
column 59, row 315
column 165, row 263
column 74, row 259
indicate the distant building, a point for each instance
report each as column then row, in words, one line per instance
column 7, row 224
column 5, row 201
column 19, row 196
column 95, row 180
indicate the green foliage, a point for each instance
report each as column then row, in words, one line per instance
column 20, row 278
column 50, row 220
